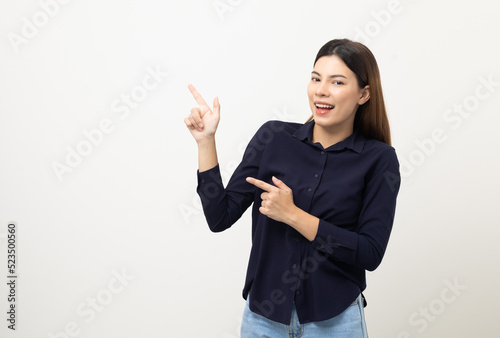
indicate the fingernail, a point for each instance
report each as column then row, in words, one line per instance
column 200, row 125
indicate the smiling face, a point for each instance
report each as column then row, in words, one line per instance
column 334, row 95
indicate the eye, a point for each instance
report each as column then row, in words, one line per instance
column 338, row 83
column 315, row 79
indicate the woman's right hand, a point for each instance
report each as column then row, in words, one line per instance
column 202, row 122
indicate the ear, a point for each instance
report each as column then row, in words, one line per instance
column 365, row 95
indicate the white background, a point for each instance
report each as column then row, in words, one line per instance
column 130, row 207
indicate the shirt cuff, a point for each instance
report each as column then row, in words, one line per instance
column 335, row 241
column 208, row 175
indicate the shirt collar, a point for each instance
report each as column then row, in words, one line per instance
column 355, row 141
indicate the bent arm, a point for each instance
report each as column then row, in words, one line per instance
column 365, row 247
column 224, row 206
column 364, row 243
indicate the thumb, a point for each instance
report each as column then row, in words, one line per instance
column 216, row 106
column 280, row 184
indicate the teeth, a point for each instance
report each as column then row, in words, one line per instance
column 324, row 106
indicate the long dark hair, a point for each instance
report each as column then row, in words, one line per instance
column 371, row 117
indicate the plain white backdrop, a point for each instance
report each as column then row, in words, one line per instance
column 99, row 171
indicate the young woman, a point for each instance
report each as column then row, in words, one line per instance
column 324, row 197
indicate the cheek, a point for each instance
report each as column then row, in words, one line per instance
column 347, row 97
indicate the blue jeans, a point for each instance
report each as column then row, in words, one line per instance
column 348, row 324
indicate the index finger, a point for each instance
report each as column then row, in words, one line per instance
column 197, row 96
column 261, row 184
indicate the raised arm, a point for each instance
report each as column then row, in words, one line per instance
column 202, row 123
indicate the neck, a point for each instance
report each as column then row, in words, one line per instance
column 328, row 137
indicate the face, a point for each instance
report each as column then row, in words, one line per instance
column 334, row 94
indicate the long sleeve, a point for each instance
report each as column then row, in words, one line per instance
column 366, row 246
column 224, row 206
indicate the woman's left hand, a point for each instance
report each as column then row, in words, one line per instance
column 277, row 201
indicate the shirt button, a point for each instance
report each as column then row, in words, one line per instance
column 296, row 240
column 309, row 189
column 322, row 152
column 316, row 175
column 294, row 266
column 203, row 181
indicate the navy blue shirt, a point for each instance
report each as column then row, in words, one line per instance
column 350, row 186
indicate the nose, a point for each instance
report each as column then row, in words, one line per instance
column 321, row 89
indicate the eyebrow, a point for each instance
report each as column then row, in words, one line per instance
column 331, row 76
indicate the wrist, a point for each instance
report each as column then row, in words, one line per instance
column 207, row 154
column 207, row 141
column 305, row 223
column 294, row 217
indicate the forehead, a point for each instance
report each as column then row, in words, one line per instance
column 332, row 64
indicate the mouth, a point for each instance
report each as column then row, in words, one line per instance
column 323, row 108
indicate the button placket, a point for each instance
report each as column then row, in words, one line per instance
column 317, row 171
column 316, row 175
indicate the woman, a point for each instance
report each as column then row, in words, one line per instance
column 324, row 196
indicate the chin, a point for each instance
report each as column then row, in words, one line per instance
column 321, row 120
column 323, row 124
